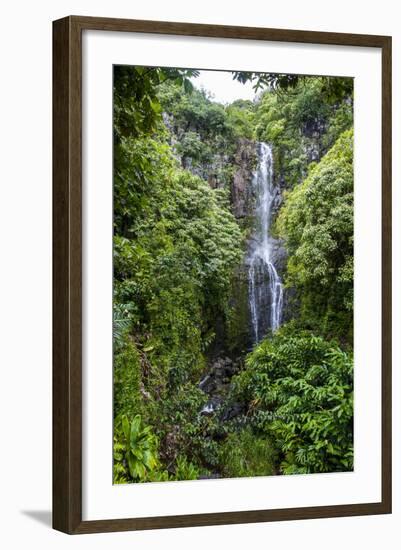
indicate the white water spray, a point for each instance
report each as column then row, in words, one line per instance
column 265, row 286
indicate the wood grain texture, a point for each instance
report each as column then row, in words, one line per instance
column 225, row 31
column 67, row 279
column 386, row 275
column 67, row 274
column 229, row 518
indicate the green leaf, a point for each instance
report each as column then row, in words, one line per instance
column 126, row 427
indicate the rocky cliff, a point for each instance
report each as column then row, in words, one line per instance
column 245, row 161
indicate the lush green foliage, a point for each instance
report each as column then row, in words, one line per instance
column 176, row 246
column 178, row 252
column 127, row 378
column 298, row 388
column 176, row 273
column 204, row 133
column 316, row 222
column 301, row 125
column 137, row 109
column 332, row 89
column 135, row 451
column 244, row 454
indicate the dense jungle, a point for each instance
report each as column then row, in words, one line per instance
column 233, row 276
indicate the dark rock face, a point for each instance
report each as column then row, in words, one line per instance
column 291, row 305
column 241, row 188
column 238, row 336
column 244, row 201
column 312, row 148
column 210, row 172
column 233, row 410
column 216, row 383
column 279, row 255
column 314, row 130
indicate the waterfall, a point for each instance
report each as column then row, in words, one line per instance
column 265, row 287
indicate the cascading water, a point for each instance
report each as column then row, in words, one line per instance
column 265, row 287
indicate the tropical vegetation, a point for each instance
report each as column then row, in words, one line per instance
column 286, row 402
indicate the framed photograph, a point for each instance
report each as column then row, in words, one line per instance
column 222, row 274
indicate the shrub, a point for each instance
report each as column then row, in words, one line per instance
column 245, row 454
column 135, row 451
column 299, row 391
column 317, row 225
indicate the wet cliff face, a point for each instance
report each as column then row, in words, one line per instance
column 244, row 199
column 292, row 159
column 312, row 133
column 245, row 161
column 256, row 197
column 242, row 191
column 238, row 337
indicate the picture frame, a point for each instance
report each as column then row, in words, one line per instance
column 68, row 294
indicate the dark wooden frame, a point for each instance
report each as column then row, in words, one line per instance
column 67, row 281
